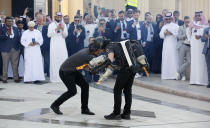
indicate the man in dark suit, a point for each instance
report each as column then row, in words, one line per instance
column 134, row 28
column 120, row 31
column 9, row 48
column 147, row 36
column 76, row 36
column 111, row 23
column 206, row 50
column 176, row 15
column 101, row 30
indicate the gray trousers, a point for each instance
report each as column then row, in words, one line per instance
column 184, row 59
column 13, row 55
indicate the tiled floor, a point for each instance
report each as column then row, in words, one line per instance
column 27, row 106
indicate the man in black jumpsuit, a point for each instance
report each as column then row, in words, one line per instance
column 125, row 78
column 71, row 76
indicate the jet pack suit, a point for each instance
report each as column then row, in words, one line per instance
column 128, row 59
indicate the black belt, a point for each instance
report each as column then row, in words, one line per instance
column 187, row 45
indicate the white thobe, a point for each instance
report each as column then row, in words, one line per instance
column 198, row 73
column 32, row 56
column 169, row 53
column 89, row 28
column 58, row 50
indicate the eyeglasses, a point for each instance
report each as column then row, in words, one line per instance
column 76, row 20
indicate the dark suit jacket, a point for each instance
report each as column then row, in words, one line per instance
column 46, row 40
column 206, row 48
column 117, row 34
column 132, row 31
column 111, row 26
column 144, row 31
column 76, row 43
column 6, row 43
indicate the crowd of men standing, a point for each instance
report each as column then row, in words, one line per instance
column 170, row 45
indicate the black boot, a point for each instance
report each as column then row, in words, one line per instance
column 208, row 86
column 113, row 116
column 125, row 116
column 87, row 112
column 56, row 109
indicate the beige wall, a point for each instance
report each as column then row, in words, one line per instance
column 188, row 7
column 156, row 6
column 6, row 6
column 74, row 6
column 68, row 7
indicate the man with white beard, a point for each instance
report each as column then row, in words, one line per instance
column 57, row 31
column 199, row 75
column 169, row 33
column 32, row 40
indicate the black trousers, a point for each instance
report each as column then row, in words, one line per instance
column 46, row 56
column 70, row 79
column 123, row 83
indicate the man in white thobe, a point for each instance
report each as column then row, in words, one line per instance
column 57, row 31
column 89, row 28
column 169, row 33
column 32, row 40
column 198, row 73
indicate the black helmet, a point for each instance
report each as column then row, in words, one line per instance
column 98, row 43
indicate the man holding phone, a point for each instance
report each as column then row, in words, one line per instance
column 9, row 48
column 120, row 31
column 76, row 36
column 101, row 30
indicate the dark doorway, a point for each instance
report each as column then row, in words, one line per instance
column 18, row 7
column 50, row 8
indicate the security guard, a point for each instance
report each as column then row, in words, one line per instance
column 131, row 4
column 125, row 76
column 70, row 75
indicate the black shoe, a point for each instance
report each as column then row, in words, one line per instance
column 4, row 81
column 18, row 81
column 113, row 116
column 208, row 86
column 125, row 116
column 87, row 112
column 56, row 110
column 37, row 82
